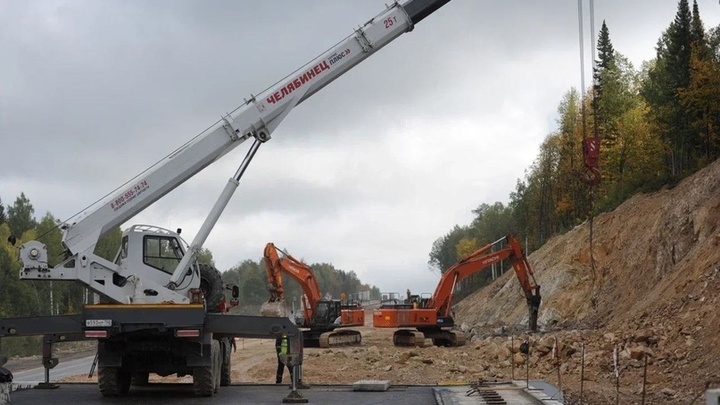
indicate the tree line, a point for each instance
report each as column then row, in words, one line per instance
column 251, row 278
column 656, row 125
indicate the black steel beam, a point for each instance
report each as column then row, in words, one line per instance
column 41, row 325
column 257, row 327
column 419, row 9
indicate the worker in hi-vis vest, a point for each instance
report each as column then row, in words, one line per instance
column 281, row 347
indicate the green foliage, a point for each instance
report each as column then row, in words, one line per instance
column 251, row 278
column 602, row 75
column 21, row 216
column 491, row 222
column 443, row 253
column 109, row 244
column 205, row 256
column 701, row 99
column 666, row 78
column 49, row 234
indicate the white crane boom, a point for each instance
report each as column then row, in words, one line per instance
column 258, row 118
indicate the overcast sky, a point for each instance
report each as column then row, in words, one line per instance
column 366, row 174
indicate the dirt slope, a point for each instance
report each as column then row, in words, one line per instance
column 654, row 285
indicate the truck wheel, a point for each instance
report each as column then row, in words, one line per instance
column 140, row 379
column 113, row 381
column 226, row 365
column 206, row 379
column 212, row 286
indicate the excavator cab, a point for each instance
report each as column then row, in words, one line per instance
column 393, row 300
column 327, row 312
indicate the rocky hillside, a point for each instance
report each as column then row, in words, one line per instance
column 654, row 272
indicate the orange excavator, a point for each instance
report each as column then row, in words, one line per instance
column 432, row 318
column 322, row 320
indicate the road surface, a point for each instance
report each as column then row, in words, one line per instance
column 64, row 369
column 262, row 394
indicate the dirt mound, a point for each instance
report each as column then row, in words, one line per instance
column 652, row 282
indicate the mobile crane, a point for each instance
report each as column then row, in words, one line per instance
column 433, row 318
column 323, row 321
column 157, row 312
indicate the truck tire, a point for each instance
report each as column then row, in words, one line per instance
column 113, row 381
column 206, row 379
column 212, row 286
column 226, row 366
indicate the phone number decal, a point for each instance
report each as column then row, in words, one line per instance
column 129, row 195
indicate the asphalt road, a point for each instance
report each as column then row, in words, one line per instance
column 178, row 394
column 64, row 369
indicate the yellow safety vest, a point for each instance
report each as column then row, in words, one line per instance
column 284, row 345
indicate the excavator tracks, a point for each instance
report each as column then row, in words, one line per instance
column 446, row 338
column 453, row 338
column 340, row 338
column 407, row 337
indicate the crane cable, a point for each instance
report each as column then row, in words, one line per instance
column 584, row 119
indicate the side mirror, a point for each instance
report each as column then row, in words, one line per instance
column 235, row 291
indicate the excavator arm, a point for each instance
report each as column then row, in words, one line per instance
column 275, row 265
column 323, row 319
column 480, row 260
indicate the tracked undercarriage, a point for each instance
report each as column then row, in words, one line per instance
column 439, row 337
column 331, row 338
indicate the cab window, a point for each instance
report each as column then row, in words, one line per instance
column 122, row 253
column 162, row 253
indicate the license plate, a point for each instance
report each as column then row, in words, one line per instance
column 98, row 323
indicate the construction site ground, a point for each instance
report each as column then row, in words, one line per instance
column 631, row 318
column 418, row 376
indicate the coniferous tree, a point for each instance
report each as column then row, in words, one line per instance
column 606, row 59
column 699, row 40
column 666, row 78
column 20, row 216
column 702, row 95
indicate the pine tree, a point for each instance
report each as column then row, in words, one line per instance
column 679, row 46
column 606, row 52
column 604, row 69
column 700, row 95
column 698, row 37
column 20, row 216
column 671, row 74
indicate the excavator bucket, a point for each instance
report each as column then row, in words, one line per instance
column 274, row 308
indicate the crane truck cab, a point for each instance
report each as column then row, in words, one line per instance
column 150, row 252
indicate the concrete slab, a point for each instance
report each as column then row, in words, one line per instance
column 371, row 385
